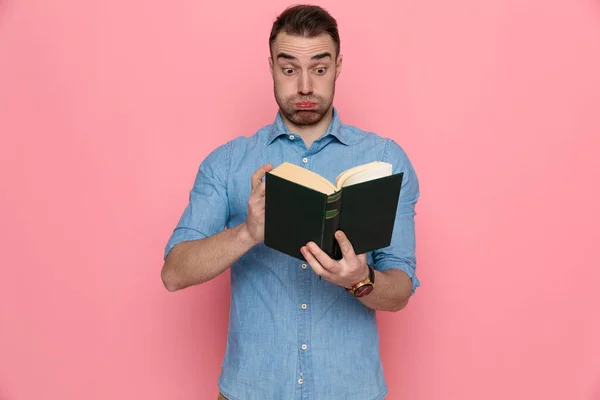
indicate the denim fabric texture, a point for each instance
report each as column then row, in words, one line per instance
column 292, row 335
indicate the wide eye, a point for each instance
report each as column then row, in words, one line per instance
column 288, row 71
column 321, row 70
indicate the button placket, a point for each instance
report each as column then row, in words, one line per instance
column 303, row 299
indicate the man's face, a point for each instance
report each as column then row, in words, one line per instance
column 304, row 73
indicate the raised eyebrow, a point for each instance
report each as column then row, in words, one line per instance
column 321, row 56
column 286, row 56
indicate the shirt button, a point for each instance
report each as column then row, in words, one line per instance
column 305, row 160
column 300, row 381
column 291, row 137
column 304, row 306
column 303, row 347
column 303, row 266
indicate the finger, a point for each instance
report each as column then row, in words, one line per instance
column 315, row 265
column 326, row 262
column 261, row 189
column 345, row 245
column 257, row 176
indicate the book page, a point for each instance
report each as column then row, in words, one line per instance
column 345, row 174
column 364, row 173
column 304, row 177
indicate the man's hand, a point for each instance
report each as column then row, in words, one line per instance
column 254, row 226
column 351, row 269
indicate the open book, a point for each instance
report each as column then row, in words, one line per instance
column 303, row 206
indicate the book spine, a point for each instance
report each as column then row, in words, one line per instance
column 331, row 224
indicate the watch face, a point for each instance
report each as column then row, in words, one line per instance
column 363, row 290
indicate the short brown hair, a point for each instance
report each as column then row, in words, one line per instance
column 306, row 20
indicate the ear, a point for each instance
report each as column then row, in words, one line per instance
column 338, row 66
column 271, row 65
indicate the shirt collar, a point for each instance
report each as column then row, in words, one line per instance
column 279, row 128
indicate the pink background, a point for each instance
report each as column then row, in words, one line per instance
column 107, row 108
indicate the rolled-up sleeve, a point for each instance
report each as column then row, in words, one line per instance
column 400, row 254
column 207, row 210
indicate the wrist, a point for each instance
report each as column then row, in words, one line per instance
column 365, row 286
column 244, row 235
column 364, row 274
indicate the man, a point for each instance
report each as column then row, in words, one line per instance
column 295, row 332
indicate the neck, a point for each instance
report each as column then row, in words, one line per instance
column 310, row 133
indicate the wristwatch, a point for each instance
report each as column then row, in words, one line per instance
column 365, row 286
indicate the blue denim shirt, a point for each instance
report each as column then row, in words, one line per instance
column 292, row 335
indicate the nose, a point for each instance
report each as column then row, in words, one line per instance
column 305, row 84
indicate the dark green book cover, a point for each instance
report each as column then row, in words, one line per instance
column 295, row 215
